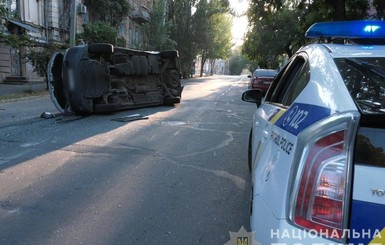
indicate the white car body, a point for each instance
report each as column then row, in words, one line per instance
column 302, row 147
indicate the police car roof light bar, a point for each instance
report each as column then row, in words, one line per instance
column 347, row 29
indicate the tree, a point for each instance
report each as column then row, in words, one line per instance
column 237, row 62
column 40, row 56
column 100, row 32
column 212, row 28
column 180, row 16
column 219, row 47
column 108, row 11
column 192, row 27
column 158, row 29
column 277, row 27
column 276, row 34
column 332, row 10
column 3, row 10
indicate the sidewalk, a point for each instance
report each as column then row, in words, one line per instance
column 8, row 91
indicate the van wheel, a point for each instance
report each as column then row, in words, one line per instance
column 169, row 54
column 101, row 48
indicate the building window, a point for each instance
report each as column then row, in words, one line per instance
column 33, row 12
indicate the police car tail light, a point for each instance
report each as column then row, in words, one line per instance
column 319, row 204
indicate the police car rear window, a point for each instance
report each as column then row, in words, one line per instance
column 370, row 145
column 365, row 80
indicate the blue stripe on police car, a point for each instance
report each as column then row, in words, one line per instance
column 300, row 116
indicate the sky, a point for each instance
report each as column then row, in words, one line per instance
column 239, row 23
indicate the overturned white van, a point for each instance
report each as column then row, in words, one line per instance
column 99, row 78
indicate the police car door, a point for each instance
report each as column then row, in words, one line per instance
column 274, row 145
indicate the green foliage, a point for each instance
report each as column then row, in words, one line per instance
column 108, row 11
column 277, row 27
column 3, row 10
column 212, row 29
column 16, row 40
column 100, row 32
column 158, row 29
column 36, row 54
column 180, row 16
column 272, row 36
column 221, row 41
column 40, row 56
column 237, row 63
column 191, row 28
column 332, row 10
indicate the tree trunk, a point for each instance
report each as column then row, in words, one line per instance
column 203, row 61
column 212, row 64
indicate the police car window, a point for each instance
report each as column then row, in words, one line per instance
column 292, row 71
column 298, row 84
column 275, row 83
column 365, row 81
column 370, row 146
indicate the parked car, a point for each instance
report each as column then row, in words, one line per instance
column 102, row 78
column 262, row 79
column 317, row 143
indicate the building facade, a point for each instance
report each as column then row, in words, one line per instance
column 50, row 21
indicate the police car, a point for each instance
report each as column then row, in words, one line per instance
column 316, row 147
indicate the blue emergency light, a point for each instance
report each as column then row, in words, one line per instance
column 371, row 29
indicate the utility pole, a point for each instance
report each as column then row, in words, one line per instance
column 73, row 23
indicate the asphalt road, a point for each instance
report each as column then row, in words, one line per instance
column 177, row 176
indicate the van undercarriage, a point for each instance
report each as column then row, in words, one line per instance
column 99, row 78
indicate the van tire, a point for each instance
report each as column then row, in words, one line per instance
column 101, row 48
column 169, row 54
